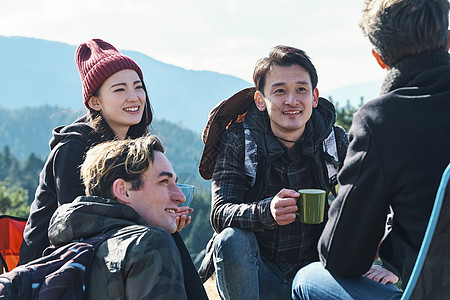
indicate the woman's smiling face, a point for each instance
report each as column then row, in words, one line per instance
column 121, row 101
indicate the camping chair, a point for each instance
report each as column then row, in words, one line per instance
column 11, row 229
column 430, row 276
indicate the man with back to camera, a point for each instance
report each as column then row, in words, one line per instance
column 131, row 186
column 398, row 151
column 259, row 244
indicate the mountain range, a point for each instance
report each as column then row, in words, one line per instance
column 36, row 72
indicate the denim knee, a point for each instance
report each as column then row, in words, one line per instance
column 307, row 279
column 315, row 282
column 236, row 245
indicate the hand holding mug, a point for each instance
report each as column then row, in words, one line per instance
column 283, row 206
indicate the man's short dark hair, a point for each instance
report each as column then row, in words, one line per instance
column 399, row 28
column 126, row 159
column 283, row 56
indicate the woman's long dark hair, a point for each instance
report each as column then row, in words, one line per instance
column 105, row 131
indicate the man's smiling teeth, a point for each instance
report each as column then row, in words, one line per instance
column 291, row 112
column 131, row 108
column 170, row 210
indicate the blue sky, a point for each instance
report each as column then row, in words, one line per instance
column 226, row 36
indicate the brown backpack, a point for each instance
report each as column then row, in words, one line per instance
column 220, row 118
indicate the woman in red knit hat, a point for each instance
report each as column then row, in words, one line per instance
column 118, row 107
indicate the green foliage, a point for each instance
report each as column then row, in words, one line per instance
column 344, row 115
column 13, row 200
column 24, row 175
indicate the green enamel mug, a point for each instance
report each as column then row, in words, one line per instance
column 311, row 206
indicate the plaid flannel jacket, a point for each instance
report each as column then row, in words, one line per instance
column 290, row 246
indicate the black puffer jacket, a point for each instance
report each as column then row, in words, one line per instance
column 59, row 183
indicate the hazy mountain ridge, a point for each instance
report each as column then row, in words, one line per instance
column 36, row 72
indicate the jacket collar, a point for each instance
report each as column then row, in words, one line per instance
column 87, row 216
column 412, row 68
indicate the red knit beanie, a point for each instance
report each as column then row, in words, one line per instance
column 96, row 61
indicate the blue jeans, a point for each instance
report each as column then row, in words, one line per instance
column 241, row 273
column 315, row 282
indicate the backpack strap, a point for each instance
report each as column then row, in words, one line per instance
column 250, row 161
column 95, row 240
column 330, row 155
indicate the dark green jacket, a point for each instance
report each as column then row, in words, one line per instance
column 137, row 262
